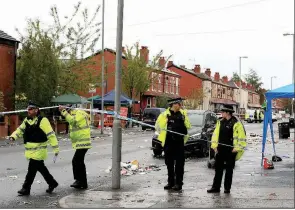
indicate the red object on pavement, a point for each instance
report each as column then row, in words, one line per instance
column 267, row 164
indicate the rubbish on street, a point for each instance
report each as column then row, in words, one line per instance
column 38, row 182
column 131, row 168
column 108, row 170
column 13, row 177
column 27, row 202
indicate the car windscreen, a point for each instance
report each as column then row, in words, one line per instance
column 196, row 119
column 151, row 113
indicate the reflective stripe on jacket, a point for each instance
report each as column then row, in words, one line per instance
column 239, row 137
column 37, row 151
column 161, row 125
column 79, row 127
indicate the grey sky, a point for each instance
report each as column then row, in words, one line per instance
column 254, row 30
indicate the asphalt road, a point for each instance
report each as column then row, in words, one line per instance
column 13, row 168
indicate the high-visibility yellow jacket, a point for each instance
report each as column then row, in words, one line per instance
column 239, row 138
column 79, row 127
column 37, row 134
column 161, row 125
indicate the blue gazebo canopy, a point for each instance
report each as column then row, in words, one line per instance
column 109, row 99
column 282, row 92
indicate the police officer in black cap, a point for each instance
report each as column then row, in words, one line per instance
column 173, row 119
column 37, row 134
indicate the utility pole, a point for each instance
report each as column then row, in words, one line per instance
column 102, row 69
column 117, row 131
column 293, row 74
column 240, row 75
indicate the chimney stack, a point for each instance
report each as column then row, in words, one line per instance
column 197, row 69
column 216, row 77
column 162, row 62
column 170, row 63
column 208, row 72
column 225, row 79
column 144, row 53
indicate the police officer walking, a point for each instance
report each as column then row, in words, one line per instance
column 229, row 131
column 79, row 128
column 36, row 132
column 174, row 119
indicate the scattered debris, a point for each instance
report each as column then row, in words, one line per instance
column 25, row 202
column 13, row 177
column 132, row 167
column 38, row 182
column 273, row 194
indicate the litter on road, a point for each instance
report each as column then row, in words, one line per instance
column 132, row 168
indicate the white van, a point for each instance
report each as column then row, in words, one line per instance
column 249, row 115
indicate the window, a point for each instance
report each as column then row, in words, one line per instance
column 153, row 81
column 167, row 84
column 160, row 82
column 177, row 86
column 149, row 102
column 196, row 119
column 172, row 85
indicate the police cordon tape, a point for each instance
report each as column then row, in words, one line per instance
column 118, row 116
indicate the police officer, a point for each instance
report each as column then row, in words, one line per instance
column 229, row 131
column 255, row 116
column 174, row 119
column 36, row 132
column 79, row 128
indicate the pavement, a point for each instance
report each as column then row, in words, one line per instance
column 253, row 187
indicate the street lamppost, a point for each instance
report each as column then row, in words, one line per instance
column 271, row 81
column 117, row 130
column 102, row 70
column 289, row 34
column 240, row 75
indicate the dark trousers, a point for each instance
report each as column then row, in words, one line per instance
column 79, row 168
column 224, row 161
column 174, row 160
column 34, row 166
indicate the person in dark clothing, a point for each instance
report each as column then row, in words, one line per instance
column 228, row 142
column 37, row 134
column 176, row 120
column 255, row 116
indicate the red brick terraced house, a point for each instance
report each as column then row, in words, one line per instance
column 165, row 82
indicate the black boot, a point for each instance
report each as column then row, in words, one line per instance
column 213, row 190
column 23, row 191
column 177, row 187
column 75, row 184
column 52, row 187
column 227, row 191
column 168, row 186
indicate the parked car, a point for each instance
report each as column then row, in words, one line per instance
column 150, row 116
column 203, row 124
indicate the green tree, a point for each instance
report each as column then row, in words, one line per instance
column 235, row 77
column 52, row 59
column 162, row 101
column 253, row 79
column 137, row 75
column 194, row 99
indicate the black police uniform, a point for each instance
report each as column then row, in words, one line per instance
column 174, row 150
column 225, row 158
column 33, row 133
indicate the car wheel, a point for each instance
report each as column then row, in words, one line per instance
column 143, row 128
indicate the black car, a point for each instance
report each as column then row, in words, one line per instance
column 203, row 124
column 150, row 116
